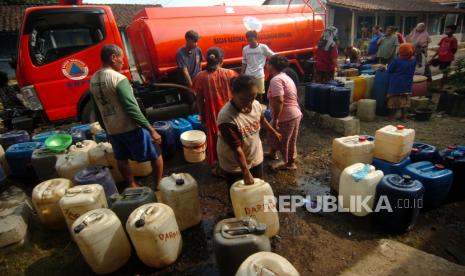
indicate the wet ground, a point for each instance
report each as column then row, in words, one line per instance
column 316, row 244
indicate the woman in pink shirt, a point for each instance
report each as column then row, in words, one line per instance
column 285, row 111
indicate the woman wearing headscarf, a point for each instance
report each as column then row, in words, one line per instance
column 420, row 36
column 326, row 55
column 401, row 71
column 213, row 91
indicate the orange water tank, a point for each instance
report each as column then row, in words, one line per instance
column 157, row 33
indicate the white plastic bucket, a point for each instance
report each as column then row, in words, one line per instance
column 194, row 146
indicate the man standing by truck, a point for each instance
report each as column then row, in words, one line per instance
column 189, row 59
column 254, row 58
column 118, row 112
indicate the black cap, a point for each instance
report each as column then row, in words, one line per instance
column 139, row 223
column 179, row 181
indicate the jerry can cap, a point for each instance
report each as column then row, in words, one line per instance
column 407, row 177
column 260, row 229
column 439, row 166
column 179, row 181
column 362, row 139
column 400, row 127
column 415, row 150
column 451, row 147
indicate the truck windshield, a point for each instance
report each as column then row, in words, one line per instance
column 57, row 35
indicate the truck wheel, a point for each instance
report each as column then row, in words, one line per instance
column 88, row 114
column 292, row 74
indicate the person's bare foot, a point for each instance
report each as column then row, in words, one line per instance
column 271, row 156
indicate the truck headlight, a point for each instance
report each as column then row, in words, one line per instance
column 28, row 96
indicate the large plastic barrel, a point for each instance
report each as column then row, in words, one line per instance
column 14, row 137
column 97, row 175
column 405, row 196
column 322, row 98
column 194, row 119
column 310, row 94
column 339, row 102
column 380, row 88
column 168, row 136
column 19, row 157
column 180, row 125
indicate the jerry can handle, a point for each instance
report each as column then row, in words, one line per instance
column 88, row 220
column 48, row 190
column 141, row 221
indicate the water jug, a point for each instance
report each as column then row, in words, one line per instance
column 131, row 199
column 370, row 79
column 69, row 164
column 85, row 128
column 419, row 86
column 339, row 102
column 310, row 94
column 103, row 155
column 322, row 98
column 46, row 197
column 180, row 192
column 140, row 169
column 380, row 88
column 155, row 234
column 368, row 72
column 77, row 134
column 335, row 83
column 180, row 126
column 348, row 83
column 266, row 263
column 81, row 199
column 424, row 152
column 194, row 145
column 168, row 137
column 366, row 110
column 19, row 158
column 250, row 201
column 358, row 180
column 454, row 159
column 13, row 230
column 97, row 175
column 11, row 197
column 84, row 146
column 364, row 67
column 236, row 239
column 391, row 168
column 101, row 240
column 436, row 179
column 194, row 119
column 101, row 136
column 41, row 137
column 3, row 162
column 94, row 129
column 347, row 151
column 360, row 88
column 393, row 143
column 43, row 162
column 405, row 197
column 14, row 137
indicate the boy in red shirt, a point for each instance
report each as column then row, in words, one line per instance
column 446, row 52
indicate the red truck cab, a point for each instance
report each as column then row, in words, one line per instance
column 59, row 51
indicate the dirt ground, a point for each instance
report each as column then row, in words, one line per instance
column 316, row 244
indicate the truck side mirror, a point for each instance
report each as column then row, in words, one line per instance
column 13, row 62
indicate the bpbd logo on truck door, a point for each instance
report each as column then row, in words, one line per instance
column 74, row 69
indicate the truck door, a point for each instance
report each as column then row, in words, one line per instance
column 59, row 52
